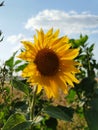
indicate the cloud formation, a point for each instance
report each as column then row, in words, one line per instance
column 14, row 41
column 15, row 38
column 69, row 22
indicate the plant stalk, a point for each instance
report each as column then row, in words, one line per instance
column 32, row 105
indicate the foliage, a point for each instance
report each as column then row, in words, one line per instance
column 87, row 89
column 35, row 112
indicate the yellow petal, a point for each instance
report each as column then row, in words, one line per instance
column 55, row 35
column 28, row 45
column 54, row 88
column 48, row 91
column 72, row 77
column 29, row 70
column 28, row 56
column 39, row 88
column 50, row 32
column 40, row 38
column 61, row 84
column 60, row 42
column 69, row 81
column 71, row 54
column 63, row 48
column 69, row 68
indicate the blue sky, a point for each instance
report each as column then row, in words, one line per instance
column 20, row 18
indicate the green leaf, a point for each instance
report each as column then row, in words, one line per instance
column 18, row 84
column 22, row 105
column 79, row 42
column 22, row 126
column 71, row 96
column 91, row 114
column 83, row 39
column 21, row 67
column 17, row 62
column 60, row 112
column 91, row 47
column 88, row 85
column 10, row 61
column 16, row 122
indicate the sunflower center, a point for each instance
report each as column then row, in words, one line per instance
column 47, row 62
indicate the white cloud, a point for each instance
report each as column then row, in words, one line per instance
column 15, row 38
column 69, row 22
column 14, row 41
column 15, row 48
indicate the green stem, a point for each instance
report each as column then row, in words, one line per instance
column 89, row 66
column 32, row 105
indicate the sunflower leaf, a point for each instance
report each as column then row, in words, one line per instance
column 20, row 67
column 91, row 113
column 18, row 84
column 17, row 62
column 60, row 112
column 10, row 61
column 17, row 121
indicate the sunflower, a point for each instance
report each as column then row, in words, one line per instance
column 50, row 62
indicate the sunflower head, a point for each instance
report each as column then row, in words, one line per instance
column 47, row 62
column 51, row 63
